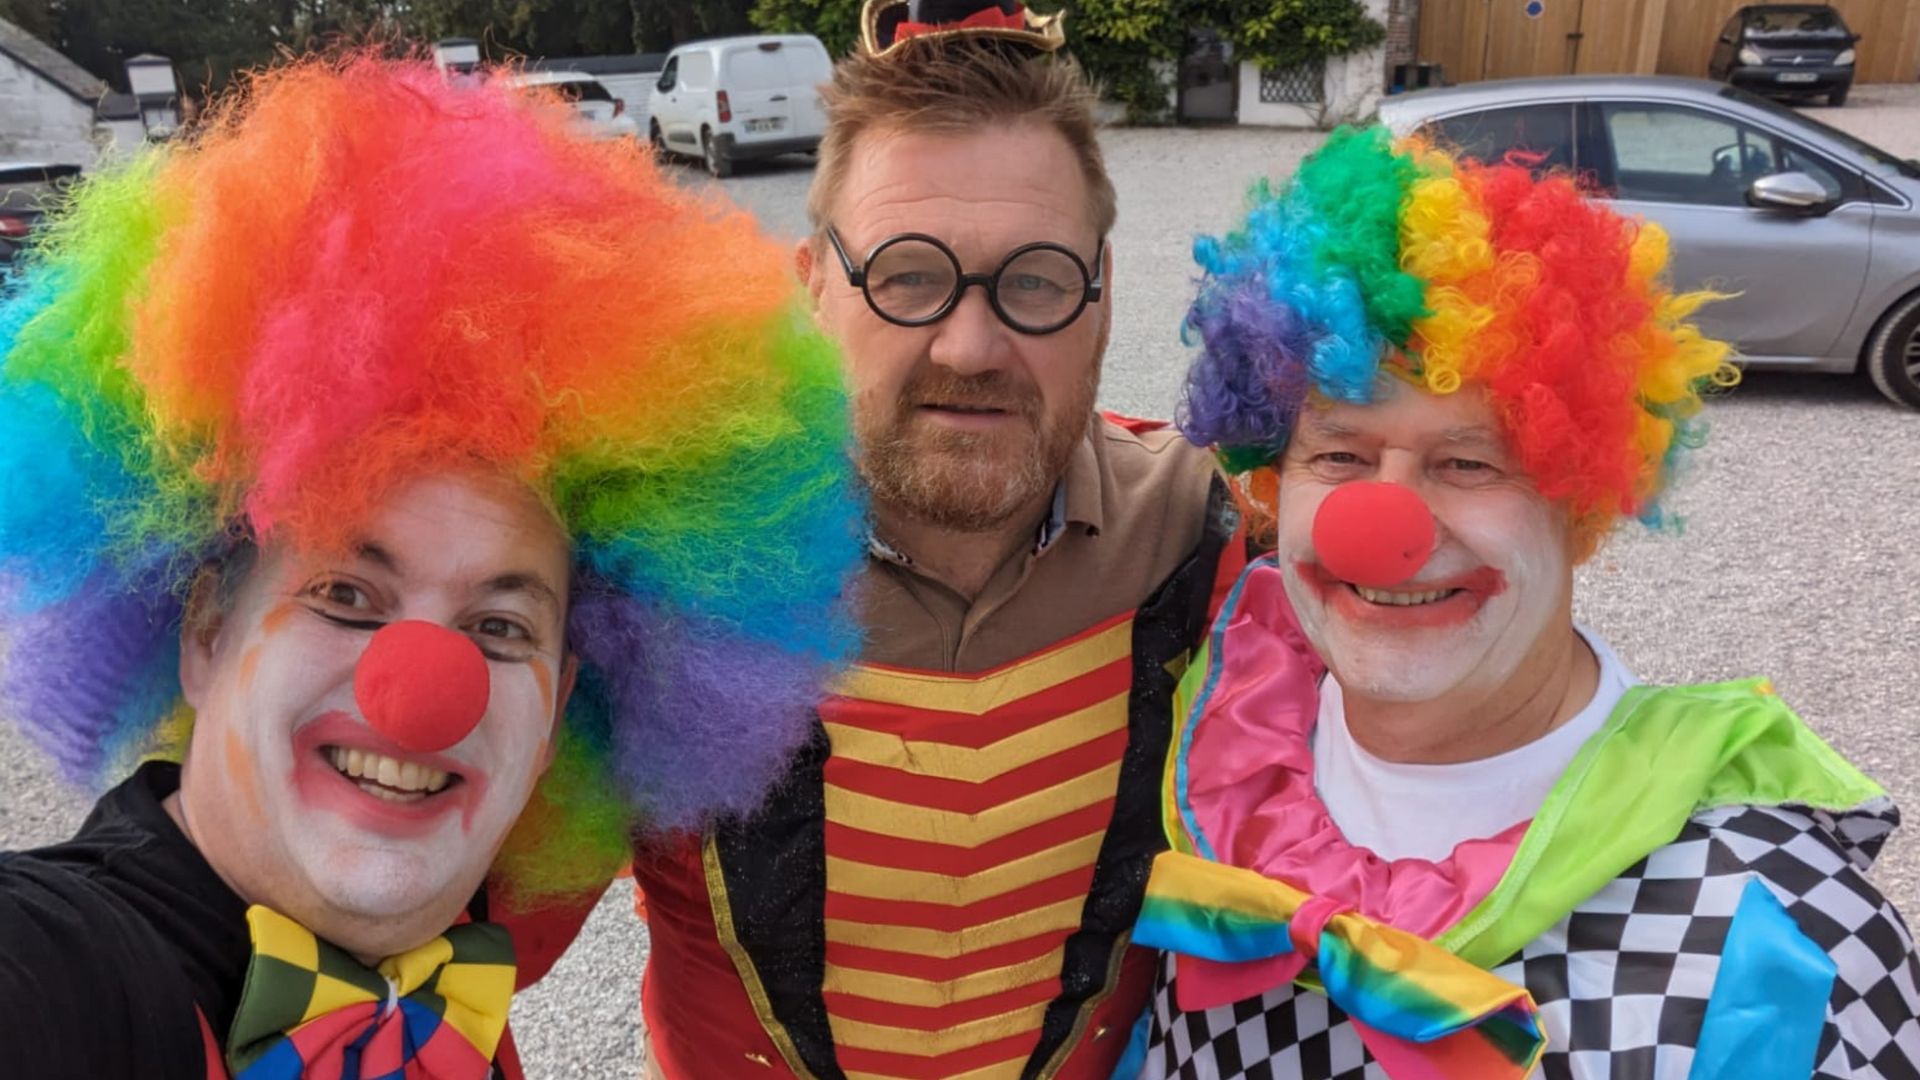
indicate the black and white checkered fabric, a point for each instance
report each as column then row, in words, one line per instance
column 1623, row 981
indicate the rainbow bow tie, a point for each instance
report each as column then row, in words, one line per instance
column 309, row 1010
column 1423, row 1013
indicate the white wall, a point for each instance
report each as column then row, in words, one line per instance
column 41, row 122
column 1351, row 93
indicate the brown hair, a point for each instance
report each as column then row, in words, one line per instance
column 955, row 86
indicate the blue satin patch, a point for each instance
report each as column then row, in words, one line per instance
column 1769, row 1002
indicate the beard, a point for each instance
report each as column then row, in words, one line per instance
column 969, row 481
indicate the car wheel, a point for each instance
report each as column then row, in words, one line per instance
column 717, row 163
column 1838, row 97
column 1893, row 355
column 657, row 141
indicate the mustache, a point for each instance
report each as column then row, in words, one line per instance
column 988, row 390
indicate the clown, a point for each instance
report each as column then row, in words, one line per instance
column 409, row 465
column 1478, row 846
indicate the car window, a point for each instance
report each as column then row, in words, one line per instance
column 33, row 190
column 667, row 73
column 1887, row 161
column 696, row 71
column 1795, row 22
column 1542, row 135
column 1668, row 153
column 582, row 90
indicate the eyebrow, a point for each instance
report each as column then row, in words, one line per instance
column 1477, row 434
column 1324, row 428
column 513, row 581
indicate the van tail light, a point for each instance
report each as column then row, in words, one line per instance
column 619, row 107
column 14, row 228
column 726, row 110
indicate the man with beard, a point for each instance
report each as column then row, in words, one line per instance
column 1488, row 849
column 944, row 886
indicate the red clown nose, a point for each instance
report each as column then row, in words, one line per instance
column 1373, row 534
column 421, row 685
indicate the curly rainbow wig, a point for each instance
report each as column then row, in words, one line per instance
column 354, row 275
column 1394, row 258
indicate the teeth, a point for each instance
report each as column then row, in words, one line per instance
column 1394, row 599
column 389, row 777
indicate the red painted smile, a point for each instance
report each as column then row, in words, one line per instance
column 1442, row 602
column 344, row 767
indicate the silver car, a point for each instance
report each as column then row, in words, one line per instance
column 1816, row 231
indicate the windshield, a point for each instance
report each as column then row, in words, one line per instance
column 1885, row 159
column 24, row 190
column 1795, row 22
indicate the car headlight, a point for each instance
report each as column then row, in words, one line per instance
column 1749, row 56
column 1845, row 58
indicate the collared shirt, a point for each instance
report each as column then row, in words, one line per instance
column 1129, row 508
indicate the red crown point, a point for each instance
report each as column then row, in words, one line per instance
column 1373, row 534
column 422, row 685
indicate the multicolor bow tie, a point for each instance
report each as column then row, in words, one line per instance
column 310, row 1011
column 1422, row 1012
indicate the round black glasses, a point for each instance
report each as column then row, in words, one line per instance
column 914, row 280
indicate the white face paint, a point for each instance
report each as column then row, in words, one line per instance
column 295, row 799
column 1498, row 585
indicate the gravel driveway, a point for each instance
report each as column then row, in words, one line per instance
column 1799, row 561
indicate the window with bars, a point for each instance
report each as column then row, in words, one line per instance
column 1300, row 85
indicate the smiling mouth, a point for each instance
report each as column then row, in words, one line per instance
column 388, row 778
column 1386, row 598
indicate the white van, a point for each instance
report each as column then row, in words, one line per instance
column 740, row 98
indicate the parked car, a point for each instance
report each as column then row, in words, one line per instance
column 1786, row 50
column 1816, row 232
column 598, row 113
column 28, row 190
column 741, row 98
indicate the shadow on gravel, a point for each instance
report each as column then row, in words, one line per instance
column 785, row 163
column 1777, row 386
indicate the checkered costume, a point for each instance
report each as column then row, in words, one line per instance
column 1623, row 980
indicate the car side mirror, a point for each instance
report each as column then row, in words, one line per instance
column 1795, row 191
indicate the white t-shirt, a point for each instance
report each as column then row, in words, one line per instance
column 1422, row 811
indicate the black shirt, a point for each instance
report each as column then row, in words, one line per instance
column 110, row 940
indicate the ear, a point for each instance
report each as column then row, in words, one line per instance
column 808, row 266
column 199, row 633
column 569, row 673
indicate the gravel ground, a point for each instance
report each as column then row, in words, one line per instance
column 1798, row 560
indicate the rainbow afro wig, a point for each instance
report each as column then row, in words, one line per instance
column 1383, row 258
column 355, row 274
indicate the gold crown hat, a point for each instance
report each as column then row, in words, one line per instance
column 885, row 24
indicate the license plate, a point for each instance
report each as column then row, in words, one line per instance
column 772, row 124
column 1796, row 76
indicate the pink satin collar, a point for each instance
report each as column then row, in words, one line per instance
column 1246, row 783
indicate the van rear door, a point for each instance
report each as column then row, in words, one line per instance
column 811, row 68
column 760, row 90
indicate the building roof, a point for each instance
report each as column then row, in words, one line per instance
column 50, row 63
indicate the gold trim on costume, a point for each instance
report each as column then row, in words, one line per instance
column 1044, row 33
column 948, row 762
column 930, row 993
column 918, row 886
column 889, row 818
column 926, row 1044
column 947, row 944
column 749, row 977
column 974, row 695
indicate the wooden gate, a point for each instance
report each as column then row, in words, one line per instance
column 1498, row 39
